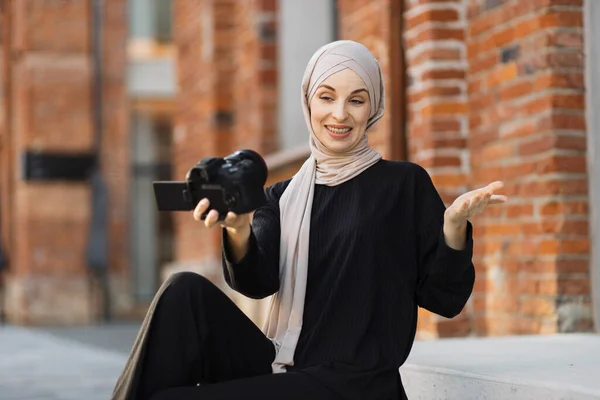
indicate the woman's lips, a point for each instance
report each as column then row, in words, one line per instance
column 338, row 133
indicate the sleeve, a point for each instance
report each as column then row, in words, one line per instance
column 445, row 276
column 257, row 274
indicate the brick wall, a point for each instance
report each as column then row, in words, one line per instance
column 369, row 22
column 527, row 127
column 256, row 75
column 194, row 137
column 47, row 107
column 116, row 147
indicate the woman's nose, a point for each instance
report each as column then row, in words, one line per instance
column 340, row 113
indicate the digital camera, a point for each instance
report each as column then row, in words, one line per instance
column 233, row 183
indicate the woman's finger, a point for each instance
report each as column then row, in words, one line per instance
column 230, row 219
column 498, row 199
column 495, row 186
column 211, row 218
column 200, row 209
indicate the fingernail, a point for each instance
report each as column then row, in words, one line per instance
column 203, row 202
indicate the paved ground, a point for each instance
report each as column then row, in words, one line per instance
column 117, row 337
column 84, row 363
column 62, row 364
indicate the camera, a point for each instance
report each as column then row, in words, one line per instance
column 233, row 183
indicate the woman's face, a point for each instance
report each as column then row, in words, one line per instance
column 339, row 111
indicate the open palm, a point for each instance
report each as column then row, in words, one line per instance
column 474, row 202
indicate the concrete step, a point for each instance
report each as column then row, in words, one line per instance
column 565, row 367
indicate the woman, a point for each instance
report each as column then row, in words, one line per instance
column 350, row 247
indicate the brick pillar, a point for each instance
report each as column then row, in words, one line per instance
column 47, row 107
column 195, row 133
column 369, row 22
column 224, row 45
column 116, row 149
column 256, row 77
column 526, row 93
column 437, row 115
column 6, row 154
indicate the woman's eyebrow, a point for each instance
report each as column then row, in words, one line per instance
column 353, row 92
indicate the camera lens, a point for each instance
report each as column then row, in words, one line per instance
column 257, row 168
column 208, row 168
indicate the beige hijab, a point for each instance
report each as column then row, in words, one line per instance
column 323, row 167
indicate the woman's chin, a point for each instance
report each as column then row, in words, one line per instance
column 338, row 146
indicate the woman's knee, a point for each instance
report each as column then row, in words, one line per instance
column 189, row 281
column 183, row 287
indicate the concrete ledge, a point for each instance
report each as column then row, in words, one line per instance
column 283, row 158
column 522, row 367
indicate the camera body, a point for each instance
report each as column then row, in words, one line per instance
column 233, row 183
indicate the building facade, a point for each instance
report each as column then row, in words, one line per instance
column 477, row 90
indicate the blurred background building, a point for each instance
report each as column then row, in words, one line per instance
column 477, row 90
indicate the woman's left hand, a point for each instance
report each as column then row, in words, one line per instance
column 474, row 202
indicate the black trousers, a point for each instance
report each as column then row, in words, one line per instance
column 197, row 335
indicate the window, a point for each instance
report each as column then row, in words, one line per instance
column 295, row 47
column 151, row 19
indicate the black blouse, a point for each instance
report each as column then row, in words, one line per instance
column 376, row 252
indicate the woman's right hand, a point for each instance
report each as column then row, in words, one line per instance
column 234, row 223
column 237, row 227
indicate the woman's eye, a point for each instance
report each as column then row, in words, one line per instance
column 326, row 98
column 357, row 101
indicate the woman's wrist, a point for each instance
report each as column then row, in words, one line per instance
column 455, row 233
column 238, row 241
column 239, row 232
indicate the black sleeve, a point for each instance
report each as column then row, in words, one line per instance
column 257, row 274
column 445, row 276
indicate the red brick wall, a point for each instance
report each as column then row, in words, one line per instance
column 527, row 127
column 6, row 154
column 368, row 22
column 116, row 141
column 48, row 102
column 194, row 135
column 256, row 75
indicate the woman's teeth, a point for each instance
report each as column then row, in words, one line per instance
column 339, row 131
